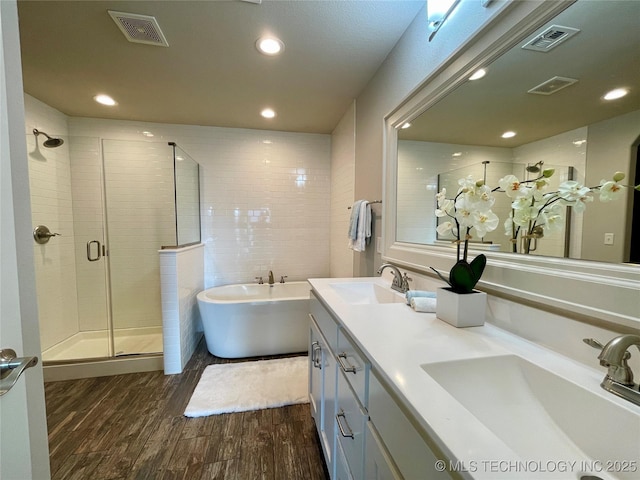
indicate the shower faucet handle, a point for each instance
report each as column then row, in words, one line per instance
column 260, row 281
column 42, row 234
column 282, row 278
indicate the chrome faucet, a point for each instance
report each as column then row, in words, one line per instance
column 614, row 356
column 400, row 282
column 271, row 280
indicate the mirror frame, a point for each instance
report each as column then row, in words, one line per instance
column 592, row 292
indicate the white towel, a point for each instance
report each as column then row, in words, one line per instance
column 353, row 221
column 423, row 304
column 418, row 293
column 363, row 227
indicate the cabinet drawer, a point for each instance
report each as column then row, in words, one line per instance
column 350, row 428
column 356, row 370
column 327, row 324
column 378, row 464
column 411, row 454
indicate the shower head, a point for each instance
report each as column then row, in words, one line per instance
column 534, row 168
column 50, row 142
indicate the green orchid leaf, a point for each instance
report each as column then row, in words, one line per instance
column 462, row 278
column 477, row 265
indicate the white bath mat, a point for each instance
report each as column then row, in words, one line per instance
column 238, row 387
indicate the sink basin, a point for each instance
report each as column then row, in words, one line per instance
column 542, row 416
column 362, row 293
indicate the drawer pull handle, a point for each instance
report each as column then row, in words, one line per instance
column 343, row 432
column 346, row 368
column 316, row 351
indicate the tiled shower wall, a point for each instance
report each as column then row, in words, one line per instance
column 51, row 205
column 264, row 196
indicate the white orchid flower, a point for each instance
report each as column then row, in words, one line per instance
column 446, row 207
column 610, row 190
column 512, row 186
column 445, row 227
column 553, row 218
column 523, row 216
column 466, row 184
column 485, row 222
column 480, row 198
column 572, row 191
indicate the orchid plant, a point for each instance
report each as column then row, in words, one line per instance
column 469, row 213
column 534, row 211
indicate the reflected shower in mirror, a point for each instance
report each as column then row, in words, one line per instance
column 553, row 100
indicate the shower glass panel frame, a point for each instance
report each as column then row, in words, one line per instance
column 98, row 282
column 187, row 198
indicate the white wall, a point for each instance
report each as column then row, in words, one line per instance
column 342, row 192
column 411, row 61
column 265, row 196
column 612, row 146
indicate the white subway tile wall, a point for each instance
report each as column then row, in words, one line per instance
column 418, row 168
column 265, row 196
column 182, row 276
column 51, row 205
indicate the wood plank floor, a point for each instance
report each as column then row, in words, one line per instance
column 132, row 427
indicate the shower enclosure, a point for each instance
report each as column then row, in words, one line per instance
column 113, row 204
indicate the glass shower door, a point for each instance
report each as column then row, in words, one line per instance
column 140, row 219
column 66, row 197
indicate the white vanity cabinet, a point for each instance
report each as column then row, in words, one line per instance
column 322, row 377
column 365, row 435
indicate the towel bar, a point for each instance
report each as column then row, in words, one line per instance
column 374, row 201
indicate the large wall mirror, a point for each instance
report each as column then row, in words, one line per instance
column 550, row 93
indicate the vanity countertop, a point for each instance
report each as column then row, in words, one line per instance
column 399, row 342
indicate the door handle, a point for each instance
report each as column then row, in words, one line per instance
column 89, row 257
column 11, row 367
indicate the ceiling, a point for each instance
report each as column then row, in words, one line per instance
column 211, row 73
column 605, row 54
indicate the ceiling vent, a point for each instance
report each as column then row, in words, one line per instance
column 550, row 38
column 139, row 28
column 552, row 85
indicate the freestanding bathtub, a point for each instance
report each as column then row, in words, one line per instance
column 255, row 319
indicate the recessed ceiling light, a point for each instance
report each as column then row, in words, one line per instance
column 147, row 134
column 478, row 74
column 405, row 125
column 268, row 113
column 615, row 94
column 508, row 134
column 456, row 154
column 269, row 45
column 105, row 100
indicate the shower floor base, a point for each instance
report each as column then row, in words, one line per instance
column 95, row 344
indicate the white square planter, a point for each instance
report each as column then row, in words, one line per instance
column 461, row 309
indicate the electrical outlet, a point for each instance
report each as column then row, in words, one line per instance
column 608, row 238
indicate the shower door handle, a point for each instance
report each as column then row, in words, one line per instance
column 97, row 257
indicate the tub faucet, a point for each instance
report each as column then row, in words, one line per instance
column 271, row 280
column 619, row 378
column 400, row 282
